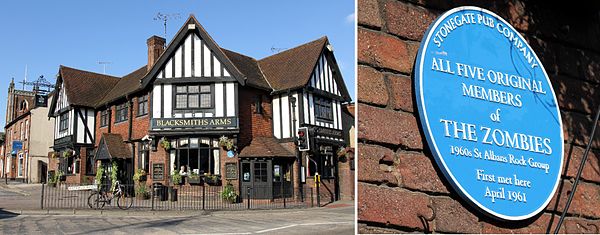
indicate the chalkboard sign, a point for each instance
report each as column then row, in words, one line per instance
column 230, row 171
column 158, row 171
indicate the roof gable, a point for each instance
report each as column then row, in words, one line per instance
column 294, row 68
column 112, row 146
column 212, row 60
column 82, row 88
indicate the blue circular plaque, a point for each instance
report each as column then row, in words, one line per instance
column 230, row 154
column 489, row 113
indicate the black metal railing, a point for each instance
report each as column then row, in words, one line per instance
column 177, row 197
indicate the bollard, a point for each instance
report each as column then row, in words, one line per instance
column 42, row 199
column 318, row 196
column 312, row 201
column 248, row 198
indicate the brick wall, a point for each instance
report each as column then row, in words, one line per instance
column 400, row 189
column 251, row 123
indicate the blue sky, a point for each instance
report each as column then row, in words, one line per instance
column 79, row 34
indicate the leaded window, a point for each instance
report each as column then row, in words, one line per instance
column 323, row 110
column 193, row 97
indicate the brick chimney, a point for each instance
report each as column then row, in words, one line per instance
column 156, row 46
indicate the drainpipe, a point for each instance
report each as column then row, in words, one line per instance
column 130, row 135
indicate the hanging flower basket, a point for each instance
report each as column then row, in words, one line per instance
column 226, row 143
column 68, row 153
column 165, row 143
column 54, row 155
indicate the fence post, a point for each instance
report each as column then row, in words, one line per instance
column 203, row 195
column 152, row 208
column 42, row 199
column 248, row 198
column 98, row 197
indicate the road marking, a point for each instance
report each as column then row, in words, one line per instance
column 305, row 224
column 218, row 233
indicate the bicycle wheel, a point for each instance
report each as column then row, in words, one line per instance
column 124, row 202
column 96, row 201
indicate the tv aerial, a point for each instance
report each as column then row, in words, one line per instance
column 277, row 49
column 166, row 17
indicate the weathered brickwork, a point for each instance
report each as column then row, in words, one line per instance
column 400, row 188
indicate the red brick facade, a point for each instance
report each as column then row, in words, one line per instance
column 260, row 124
column 400, row 188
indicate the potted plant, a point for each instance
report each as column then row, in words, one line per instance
column 213, row 180
column 142, row 192
column 165, row 143
column 140, row 175
column 194, row 178
column 176, row 178
column 228, row 194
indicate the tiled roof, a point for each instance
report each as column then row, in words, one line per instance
column 249, row 67
column 126, row 85
column 265, row 147
column 115, row 145
column 292, row 68
column 85, row 88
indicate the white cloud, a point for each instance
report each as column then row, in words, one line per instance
column 350, row 18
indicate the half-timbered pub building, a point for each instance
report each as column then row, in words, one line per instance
column 198, row 109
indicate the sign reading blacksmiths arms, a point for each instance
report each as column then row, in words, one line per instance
column 489, row 113
column 159, row 123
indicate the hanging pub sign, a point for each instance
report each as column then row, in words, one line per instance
column 489, row 113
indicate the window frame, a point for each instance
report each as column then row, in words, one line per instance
column 199, row 94
column 321, row 103
column 104, row 120
column 144, row 161
column 63, row 124
column 121, row 112
column 142, row 104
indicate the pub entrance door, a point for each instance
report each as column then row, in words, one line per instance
column 283, row 184
column 257, row 175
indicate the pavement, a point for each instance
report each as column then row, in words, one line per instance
column 20, row 214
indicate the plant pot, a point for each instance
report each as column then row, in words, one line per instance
column 143, row 178
column 62, row 178
column 52, row 185
column 212, row 181
column 195, row 181
column 142, row 196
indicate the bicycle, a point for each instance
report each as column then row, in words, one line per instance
column 98, row 199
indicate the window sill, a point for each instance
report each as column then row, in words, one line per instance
column 119, row 122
